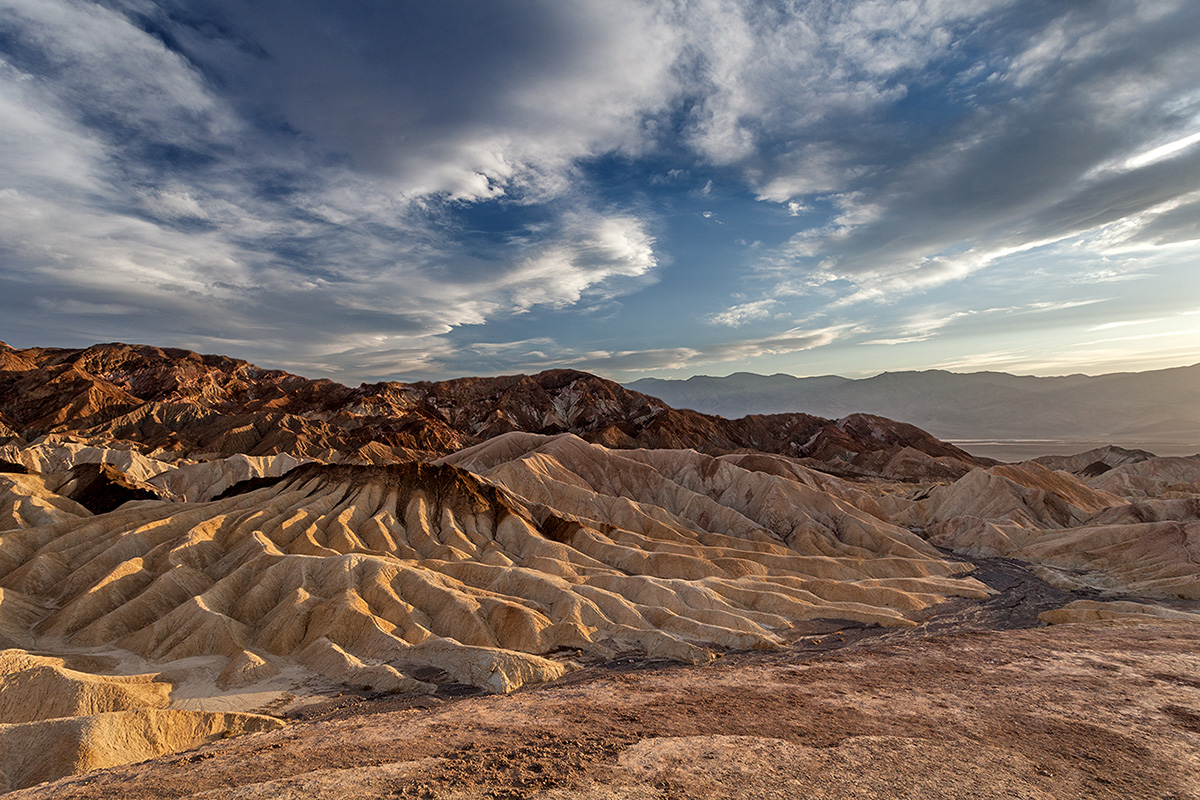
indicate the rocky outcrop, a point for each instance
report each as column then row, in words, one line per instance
column 155, row 400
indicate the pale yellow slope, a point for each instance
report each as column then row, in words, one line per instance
column 1079, row 533
column 34, row 752
column 26, row 502
column 1028, row 495
column 1117, row 613
column 1155, row 477
column 369, row 575
column 1158, row 559
column 59, row 455
column 207, row 479
column 36, row 687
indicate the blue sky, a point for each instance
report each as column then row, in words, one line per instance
column 376, row 189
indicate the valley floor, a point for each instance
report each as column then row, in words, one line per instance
column 972, row 703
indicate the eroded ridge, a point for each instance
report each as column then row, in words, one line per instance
column 368, row 574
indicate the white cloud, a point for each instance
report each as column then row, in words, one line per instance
column 172, row 204
column 919, row 328
column 89, row 224
column 792, row 77
column 470, row 103
column 620, row 363
column 590, row 251
column 1162, row 151
column 736, row 316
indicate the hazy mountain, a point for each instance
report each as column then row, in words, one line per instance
column 1162, row 405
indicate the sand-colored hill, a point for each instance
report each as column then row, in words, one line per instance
column 1092, row 711
column 18, row 615
column 1094, row 462
column 1115, row 612
column 406, row 577
column 207, row 479
column 1156, row 559
column 34, row 688
column 1078, row 533
column 402, row 578
column 369, row 575
column 56, row 454
column 1156, row 477
column 1028, row 495
column 166, row 474
column 57, row 721
column 1179, row 509
column 34, row 752
column 26, row 502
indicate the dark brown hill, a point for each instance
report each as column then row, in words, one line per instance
column 168, row 399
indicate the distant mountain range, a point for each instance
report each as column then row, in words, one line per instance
column 1142, row 407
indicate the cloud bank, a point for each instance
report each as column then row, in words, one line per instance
column 373, row 190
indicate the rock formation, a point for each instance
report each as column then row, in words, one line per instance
column 176, row 403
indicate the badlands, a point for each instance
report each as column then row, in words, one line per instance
column 222, row 581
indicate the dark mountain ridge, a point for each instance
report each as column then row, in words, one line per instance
column 175, row 401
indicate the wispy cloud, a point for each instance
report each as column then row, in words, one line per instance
column 1019, row 175
column 622, row 364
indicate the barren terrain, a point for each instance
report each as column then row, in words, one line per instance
column 963, row 706
column 221, row 581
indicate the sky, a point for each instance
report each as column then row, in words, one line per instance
column 397, row 189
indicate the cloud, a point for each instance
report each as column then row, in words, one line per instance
column 919, row 328
column 780, row 89
column 1082, row 91
column 131, row 181
column 736, row 316
column 591, row 250
column 941, row 322
column 1161, row 152
column 620, row 363
column 472, row 102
